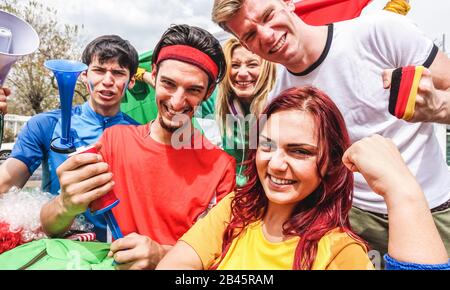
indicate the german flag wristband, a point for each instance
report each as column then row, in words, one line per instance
column 404, row 85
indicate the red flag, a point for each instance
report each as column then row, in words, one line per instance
column 320, row 12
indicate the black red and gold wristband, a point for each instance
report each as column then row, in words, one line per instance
column 404, row 86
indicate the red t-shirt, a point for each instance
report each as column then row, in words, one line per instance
column 162, row 190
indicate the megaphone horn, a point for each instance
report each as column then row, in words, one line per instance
column 17, row 38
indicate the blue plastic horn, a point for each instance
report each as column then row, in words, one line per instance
column 66, row 73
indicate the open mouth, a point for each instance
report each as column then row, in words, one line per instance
column 244, row 84
column 172, row 112
column 107, row 94
column 281, row 181
column 279, row 44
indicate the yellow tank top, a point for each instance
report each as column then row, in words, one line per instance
column 251, row 250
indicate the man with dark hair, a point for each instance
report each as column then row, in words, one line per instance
column 175, row 34
column 112, row 63
column 165, row 174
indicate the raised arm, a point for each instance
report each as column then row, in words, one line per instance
column 413, row 237
column 440, row 86
column 433, row 94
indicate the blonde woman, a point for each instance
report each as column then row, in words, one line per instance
column 241, row 97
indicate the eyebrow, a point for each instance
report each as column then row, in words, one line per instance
column 290, row 145
column 239, row 60
column 114, row 70
column 199, row 87
column 301, row 145
column 247, row 35
column 164, row 78
column 267, row 13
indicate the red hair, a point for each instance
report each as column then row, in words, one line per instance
column 323, row 210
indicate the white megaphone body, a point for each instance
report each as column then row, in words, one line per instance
column 17, row 38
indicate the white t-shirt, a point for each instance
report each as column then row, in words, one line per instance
column 350, row 72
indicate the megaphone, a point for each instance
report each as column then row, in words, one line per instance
column 17, row 38
column 66, row 73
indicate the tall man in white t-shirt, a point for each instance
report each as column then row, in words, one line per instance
column 347, row 60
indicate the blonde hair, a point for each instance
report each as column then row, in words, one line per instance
column 264, row 84
column 223, row 10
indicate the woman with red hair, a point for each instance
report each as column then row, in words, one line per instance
column 293, row 211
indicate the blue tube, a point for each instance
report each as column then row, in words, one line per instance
column 66, row 73
column 115, row 230
column 112, row 224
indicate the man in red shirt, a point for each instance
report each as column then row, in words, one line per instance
column 165, row 174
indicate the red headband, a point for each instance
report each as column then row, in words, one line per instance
column 190, row 55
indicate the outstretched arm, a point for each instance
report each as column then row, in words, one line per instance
column 432, row 103
column 413, row 236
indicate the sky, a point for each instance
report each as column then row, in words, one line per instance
column 143, row 21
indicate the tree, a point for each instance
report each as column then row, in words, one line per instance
column 9, row 136
column 34, row 88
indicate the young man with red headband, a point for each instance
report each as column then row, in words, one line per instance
column 165, row 174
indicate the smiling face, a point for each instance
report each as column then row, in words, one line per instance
column 106, row 83
column 268, row 29
column 180, row 88
column 287, row 162
column 244, row 73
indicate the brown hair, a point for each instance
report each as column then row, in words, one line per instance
column 223, row 10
